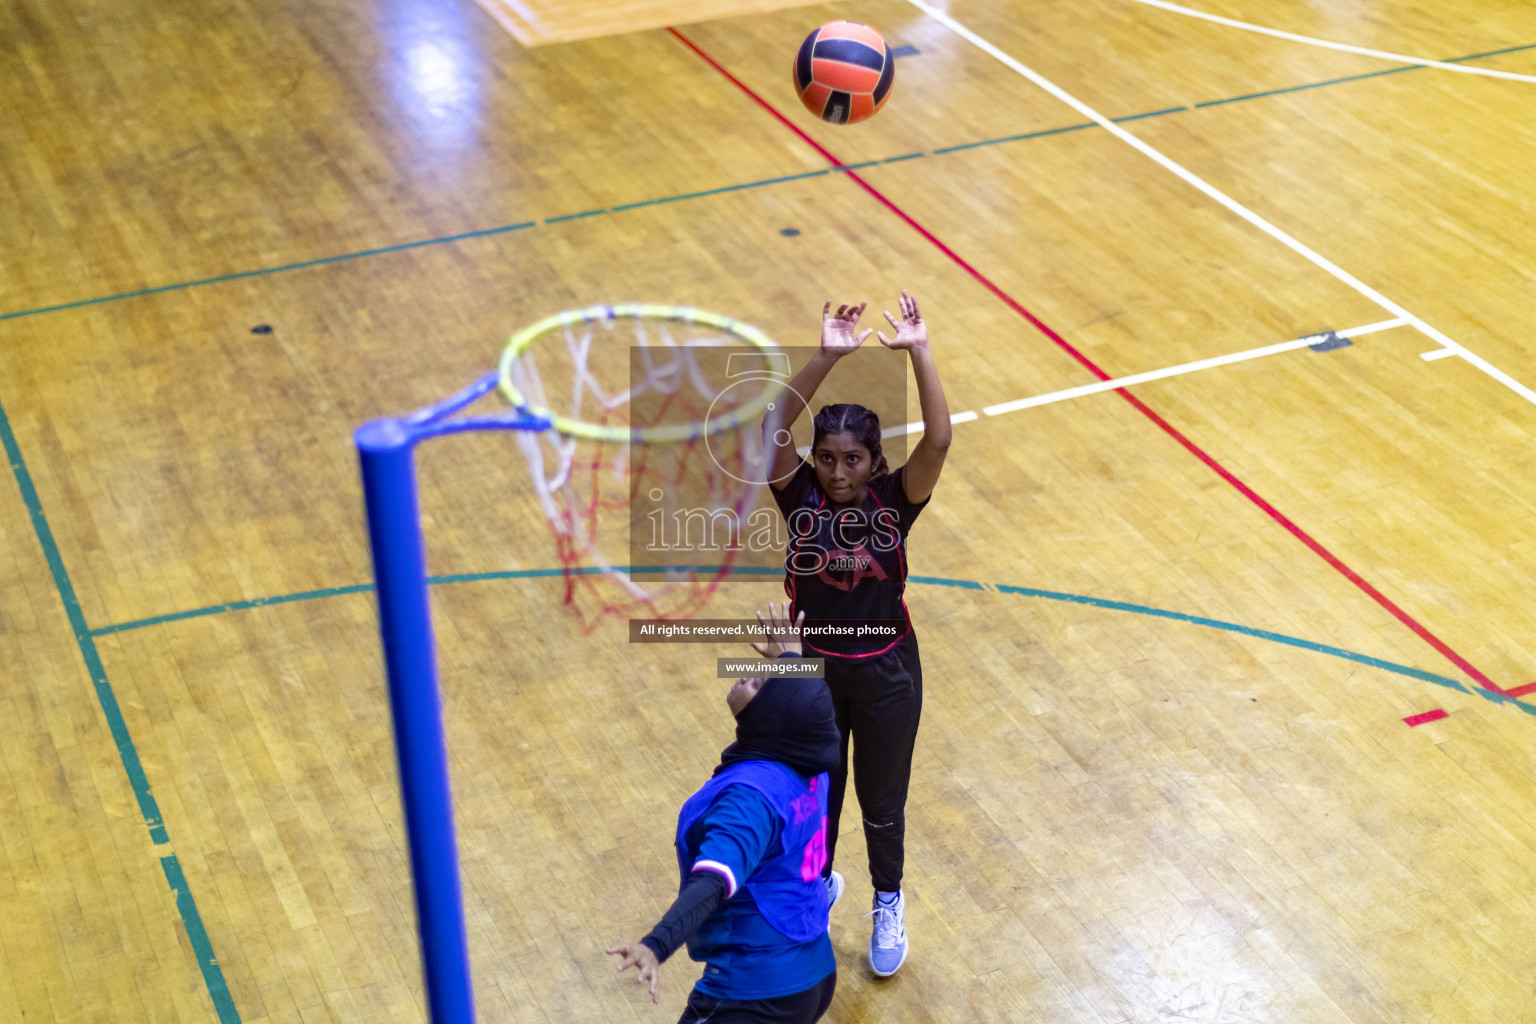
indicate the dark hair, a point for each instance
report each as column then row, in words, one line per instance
column 858, row 421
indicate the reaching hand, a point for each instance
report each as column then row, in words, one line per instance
column 837, row 337
column 911, row 332
column 638, row 954
column 783, row 635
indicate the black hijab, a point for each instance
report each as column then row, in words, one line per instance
column 789, row 721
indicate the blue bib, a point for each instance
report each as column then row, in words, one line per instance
column 788, row 889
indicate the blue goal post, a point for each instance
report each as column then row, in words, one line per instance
column 386, row 449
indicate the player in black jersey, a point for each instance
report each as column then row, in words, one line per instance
column 846, row 568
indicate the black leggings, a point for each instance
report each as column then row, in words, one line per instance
column 801, row 1008
column 878, row 702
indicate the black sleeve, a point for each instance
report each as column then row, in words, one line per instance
column 704, row 892
column 893, row 495
column 795, row 490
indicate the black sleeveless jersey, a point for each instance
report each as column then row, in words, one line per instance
column 847, row 568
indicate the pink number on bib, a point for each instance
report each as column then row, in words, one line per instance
column 815, row 854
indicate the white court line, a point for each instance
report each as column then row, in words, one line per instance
column 1439, row 353
column 1174, row 371
column 1343, row 47
column 1226, row 200
column 912, row 428
column 1142, row 378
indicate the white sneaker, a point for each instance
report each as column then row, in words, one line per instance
column 888, row 944
column 834, row 889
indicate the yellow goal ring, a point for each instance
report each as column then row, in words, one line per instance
column 519, row 343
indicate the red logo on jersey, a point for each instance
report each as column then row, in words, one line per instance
column 853, row 566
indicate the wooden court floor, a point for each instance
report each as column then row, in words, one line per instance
column 1230, row 709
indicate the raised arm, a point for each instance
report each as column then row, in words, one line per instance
column 837, row 340
column 927, row 459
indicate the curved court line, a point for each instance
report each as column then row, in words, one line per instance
column 761, row 183
column 1328, row 45
column 932, row 581
column 85, row 637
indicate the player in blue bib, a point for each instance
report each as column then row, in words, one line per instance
column 751, row 847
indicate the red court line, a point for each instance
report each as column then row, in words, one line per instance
column 1242, row 488
column 1521, row 691
column 1428, row 716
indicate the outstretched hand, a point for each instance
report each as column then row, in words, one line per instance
column 911, row 332
column 783, row 635
column 837, row 337
column 638, row 954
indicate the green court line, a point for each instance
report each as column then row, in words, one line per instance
column 722, row 190
column 719, row 191
column 576, row 216
column 1356, row 78
column 1017, row 138
column 233, row 606
column 240, row 275
column 1262, row 634
column 213, row 978
column 936, row 581
column 1150, row 113
column 1300, row 88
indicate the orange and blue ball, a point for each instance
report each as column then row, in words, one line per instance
column 843, row 72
